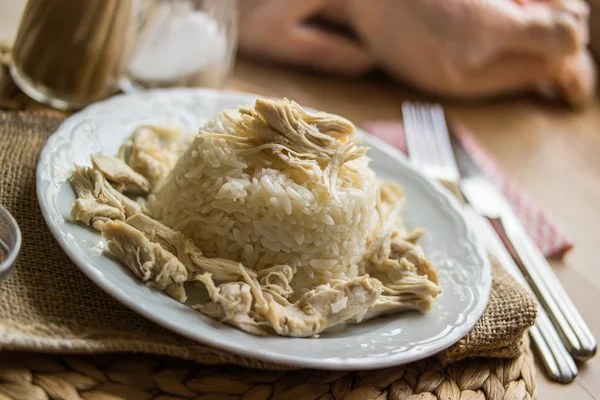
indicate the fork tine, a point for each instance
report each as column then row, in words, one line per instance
column 428, row 141
column 410, row 129
column 418, row 137
column 416, row 143
column 436, row 137
column 429, row 137
column 443, row 140
column 423, row 144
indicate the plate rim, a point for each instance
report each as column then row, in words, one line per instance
column 483, row 289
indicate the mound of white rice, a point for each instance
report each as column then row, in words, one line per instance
column 236, row 196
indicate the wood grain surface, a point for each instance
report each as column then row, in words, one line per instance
column 552, row 151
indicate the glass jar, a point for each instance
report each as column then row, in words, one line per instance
column 71, row 53
column 185, row 43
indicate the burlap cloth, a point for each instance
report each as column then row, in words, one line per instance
column 47, row 305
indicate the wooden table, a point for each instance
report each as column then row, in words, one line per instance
column 552, row 151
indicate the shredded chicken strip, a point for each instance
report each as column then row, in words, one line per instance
column 316, row 310
column 155, row 266
column 118, row 172
column 97, row 201
column 147, row 155
column 386, row 305
column 277, row 279
column 409, row 280
column 293, row 135
column 231, row 303
column 401, row 248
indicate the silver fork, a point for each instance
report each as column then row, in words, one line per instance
column 431, row 153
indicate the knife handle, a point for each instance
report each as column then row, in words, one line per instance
column 556, row 359
column 573, row 329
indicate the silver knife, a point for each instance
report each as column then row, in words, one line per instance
column 487, row 201
column 430, row 151
column 554, row 355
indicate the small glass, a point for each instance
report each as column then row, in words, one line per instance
column 185, row 43
column 10, row 242
column 71, row 53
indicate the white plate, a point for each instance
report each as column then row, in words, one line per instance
column 462, row 266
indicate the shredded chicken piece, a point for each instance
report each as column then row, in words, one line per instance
column 409, row 280
column 287, row 124
column 155, row 266
column 294, row 137
column 277, row 279
column 118, row 172
column 390, row 200
column 316, row 146
column 119, row 200
column 147, row 155
column 321, row 308
column 231, row 303
column 185, row 250
column 386, row 305
column 391, row 193
column 97, row 201
column 413, row 236
column 87, row 183
column 315, row 311
column 401, row 248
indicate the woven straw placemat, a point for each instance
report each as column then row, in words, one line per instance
column 142, row 377
column 47, row 305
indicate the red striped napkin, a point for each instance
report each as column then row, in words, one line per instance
column 549, row 236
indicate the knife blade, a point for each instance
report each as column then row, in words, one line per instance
column 487, row 201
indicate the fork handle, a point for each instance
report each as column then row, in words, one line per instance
column 575, row 333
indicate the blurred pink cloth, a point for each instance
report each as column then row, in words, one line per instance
column 552, row 240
